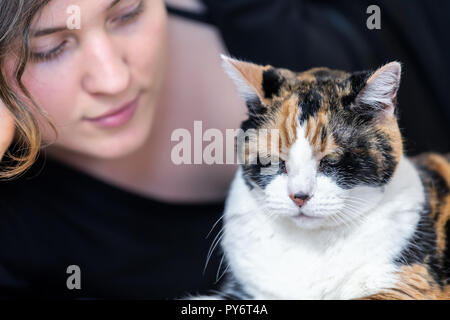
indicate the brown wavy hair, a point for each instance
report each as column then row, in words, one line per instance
column 16, row 17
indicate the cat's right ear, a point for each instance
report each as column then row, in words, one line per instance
column 380, row 90
column 256, row 84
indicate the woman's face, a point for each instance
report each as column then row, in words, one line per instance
column 81, row 77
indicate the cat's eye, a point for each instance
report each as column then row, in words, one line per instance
column 131, row 15
column 330, row 160
column 333, row 159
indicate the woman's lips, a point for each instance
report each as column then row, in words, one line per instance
column 118, row 117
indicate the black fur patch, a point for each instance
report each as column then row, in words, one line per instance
column 356, row 165
column 422, row 247
column 447, row 251
column 437, row 182
column 309, row 104
column 323, row 134
column 388, row 165
column 272, row 82
column 255, row 110
column 234, row 290
column 357, row 82
column 253, row 173
column 255, row 107
column 432, row 179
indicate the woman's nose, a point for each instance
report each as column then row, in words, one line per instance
column 107, row 70
column 299, row 198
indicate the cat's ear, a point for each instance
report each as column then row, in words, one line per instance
column 255, row 83
column 380, row 89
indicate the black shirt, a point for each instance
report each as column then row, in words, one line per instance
column 126, row 246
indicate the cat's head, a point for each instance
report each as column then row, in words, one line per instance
column 338, row 139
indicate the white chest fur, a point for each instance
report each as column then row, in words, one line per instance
column 273, row 258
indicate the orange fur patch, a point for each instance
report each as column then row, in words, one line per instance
column 415, row 283
column 286, row 122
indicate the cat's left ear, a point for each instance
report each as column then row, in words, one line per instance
column 380, row 90
column 255, row 83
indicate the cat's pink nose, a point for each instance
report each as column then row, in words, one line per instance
column 299, row 198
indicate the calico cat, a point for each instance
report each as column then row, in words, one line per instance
column 345, row 215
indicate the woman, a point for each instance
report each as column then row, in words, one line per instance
column 108, row 198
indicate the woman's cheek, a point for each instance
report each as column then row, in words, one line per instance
column 150, row 48
column 54, row 92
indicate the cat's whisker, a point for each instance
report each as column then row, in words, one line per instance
column 220, row 266
column 355, row 216
column 350, row 214
column 214, row 244
column 348, row 222
column 355, row 199
column 353, row 207
column 215, row 224
column 335, row 219
column 358, row 201
column 218, row 275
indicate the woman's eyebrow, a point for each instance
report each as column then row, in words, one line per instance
column 45, row 32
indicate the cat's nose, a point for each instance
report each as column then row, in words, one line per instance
column 299, row 198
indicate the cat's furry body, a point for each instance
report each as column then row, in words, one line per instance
column 271, row 259
column 372, row 224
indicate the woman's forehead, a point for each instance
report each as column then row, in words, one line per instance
column 57, row 12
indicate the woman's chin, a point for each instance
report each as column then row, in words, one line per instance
column 120, row 146
column 107, row 146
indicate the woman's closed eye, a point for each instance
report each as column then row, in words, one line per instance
column 122, row 20
column 50, row 54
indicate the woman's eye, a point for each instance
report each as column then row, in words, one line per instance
column 50, row 54
column 130, row 15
